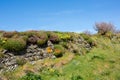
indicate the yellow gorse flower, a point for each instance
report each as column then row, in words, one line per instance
column 49, row 50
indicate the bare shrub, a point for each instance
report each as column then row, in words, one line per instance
column 104, row 28
column 87, row 32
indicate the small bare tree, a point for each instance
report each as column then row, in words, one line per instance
column 104, row 27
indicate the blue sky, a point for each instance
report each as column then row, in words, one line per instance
column 60, row 15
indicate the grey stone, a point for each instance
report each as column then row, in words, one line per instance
column 4, row 51
column 53, row 57
column 28, row 55
column 45, row 55
column 87, row 46
column 1, row 66
column 10, row 54
column 39, row 49
column 32, row 46
column 1, row 78
column 49, row 43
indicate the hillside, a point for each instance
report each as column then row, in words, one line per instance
column 53, row 55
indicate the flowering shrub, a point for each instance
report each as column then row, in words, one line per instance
column 58, row 50
column 63, row 36
column 49, row 50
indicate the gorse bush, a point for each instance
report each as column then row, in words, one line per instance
column 63, row 36
column 14, row 44
column 58, row 50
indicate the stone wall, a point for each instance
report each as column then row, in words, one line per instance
column 34, row 53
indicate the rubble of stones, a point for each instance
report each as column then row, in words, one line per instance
column 34, row 53
column 79, row 44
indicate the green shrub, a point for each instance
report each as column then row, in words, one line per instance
column 14, row 44
column 41, row 42
column 31, row 76
column 58, row 50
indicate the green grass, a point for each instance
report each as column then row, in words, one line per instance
column 101, row 63
column 97, row 65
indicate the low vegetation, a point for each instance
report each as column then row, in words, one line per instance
column 78, row 56
column 14, row 44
